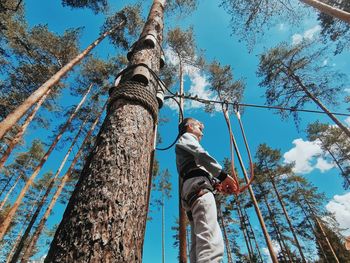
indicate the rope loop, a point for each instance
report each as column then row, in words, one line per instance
column 134, row 90
column 233, row 146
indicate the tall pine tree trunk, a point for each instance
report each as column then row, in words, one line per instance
column 106, row 216
column 182, row 212
column 253, row 234
column 307, row 216
column 287, row 218
column 6, row 223
column 44, row 197
column 30, row 248
column 329, row 10
column 14, row 247
column 8, row 181
column 319, row 104
column 13, row 117
column 244, row 230
column 280, row 239
column 226, row 240
column 22, row 130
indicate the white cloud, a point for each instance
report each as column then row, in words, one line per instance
column 199, row 83
column 347, row 90
column 308, row 35
column 340, row 206
column 325, row 62
column 296, row 39
column 303, row 155
column 323, row 165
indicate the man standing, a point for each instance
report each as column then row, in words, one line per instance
column 198, row 170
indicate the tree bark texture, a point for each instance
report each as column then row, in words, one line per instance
column 329, row 10
column 105, row 218
column 102, row 222
column 13, row 117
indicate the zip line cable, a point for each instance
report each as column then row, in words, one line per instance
column 207, row 101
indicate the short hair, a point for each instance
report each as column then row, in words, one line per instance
column 186, row 122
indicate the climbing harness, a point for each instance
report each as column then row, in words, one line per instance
column 233, row 147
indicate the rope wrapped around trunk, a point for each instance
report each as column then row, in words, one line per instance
column 136, row 91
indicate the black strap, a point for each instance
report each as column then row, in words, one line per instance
column 195, row 173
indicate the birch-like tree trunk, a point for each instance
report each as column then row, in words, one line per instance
column 105, row 218
column 6, row 223
column 13, row 117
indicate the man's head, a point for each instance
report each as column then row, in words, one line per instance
column 192, row 126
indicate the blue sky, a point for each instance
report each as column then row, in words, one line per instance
column 212, row 33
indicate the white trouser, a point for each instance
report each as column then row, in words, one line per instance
column 207, row 243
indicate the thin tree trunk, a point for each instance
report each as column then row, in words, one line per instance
column 4, row 225
column 347, row 179
column 280, row 239
column 9, row 192
column 44, row 197
column 13, row 117
column 227, row 243
column 182, row 213
column 244, row 230
column 22, row 130
column 7, row 183
column 14, row 247
column 163, row 230
column 106, row 215
column 322, row 230
column 287, row 218
column 329, row 10
column 313, row 229
column 330, row 115
column 254, row 237
column 29, row 250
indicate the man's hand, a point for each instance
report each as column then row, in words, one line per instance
column 228, row 186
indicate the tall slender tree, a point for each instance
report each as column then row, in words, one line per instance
column 13, row 117
column 292, row 77
column 5, row 224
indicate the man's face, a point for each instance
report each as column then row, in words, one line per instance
column 196, row 128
